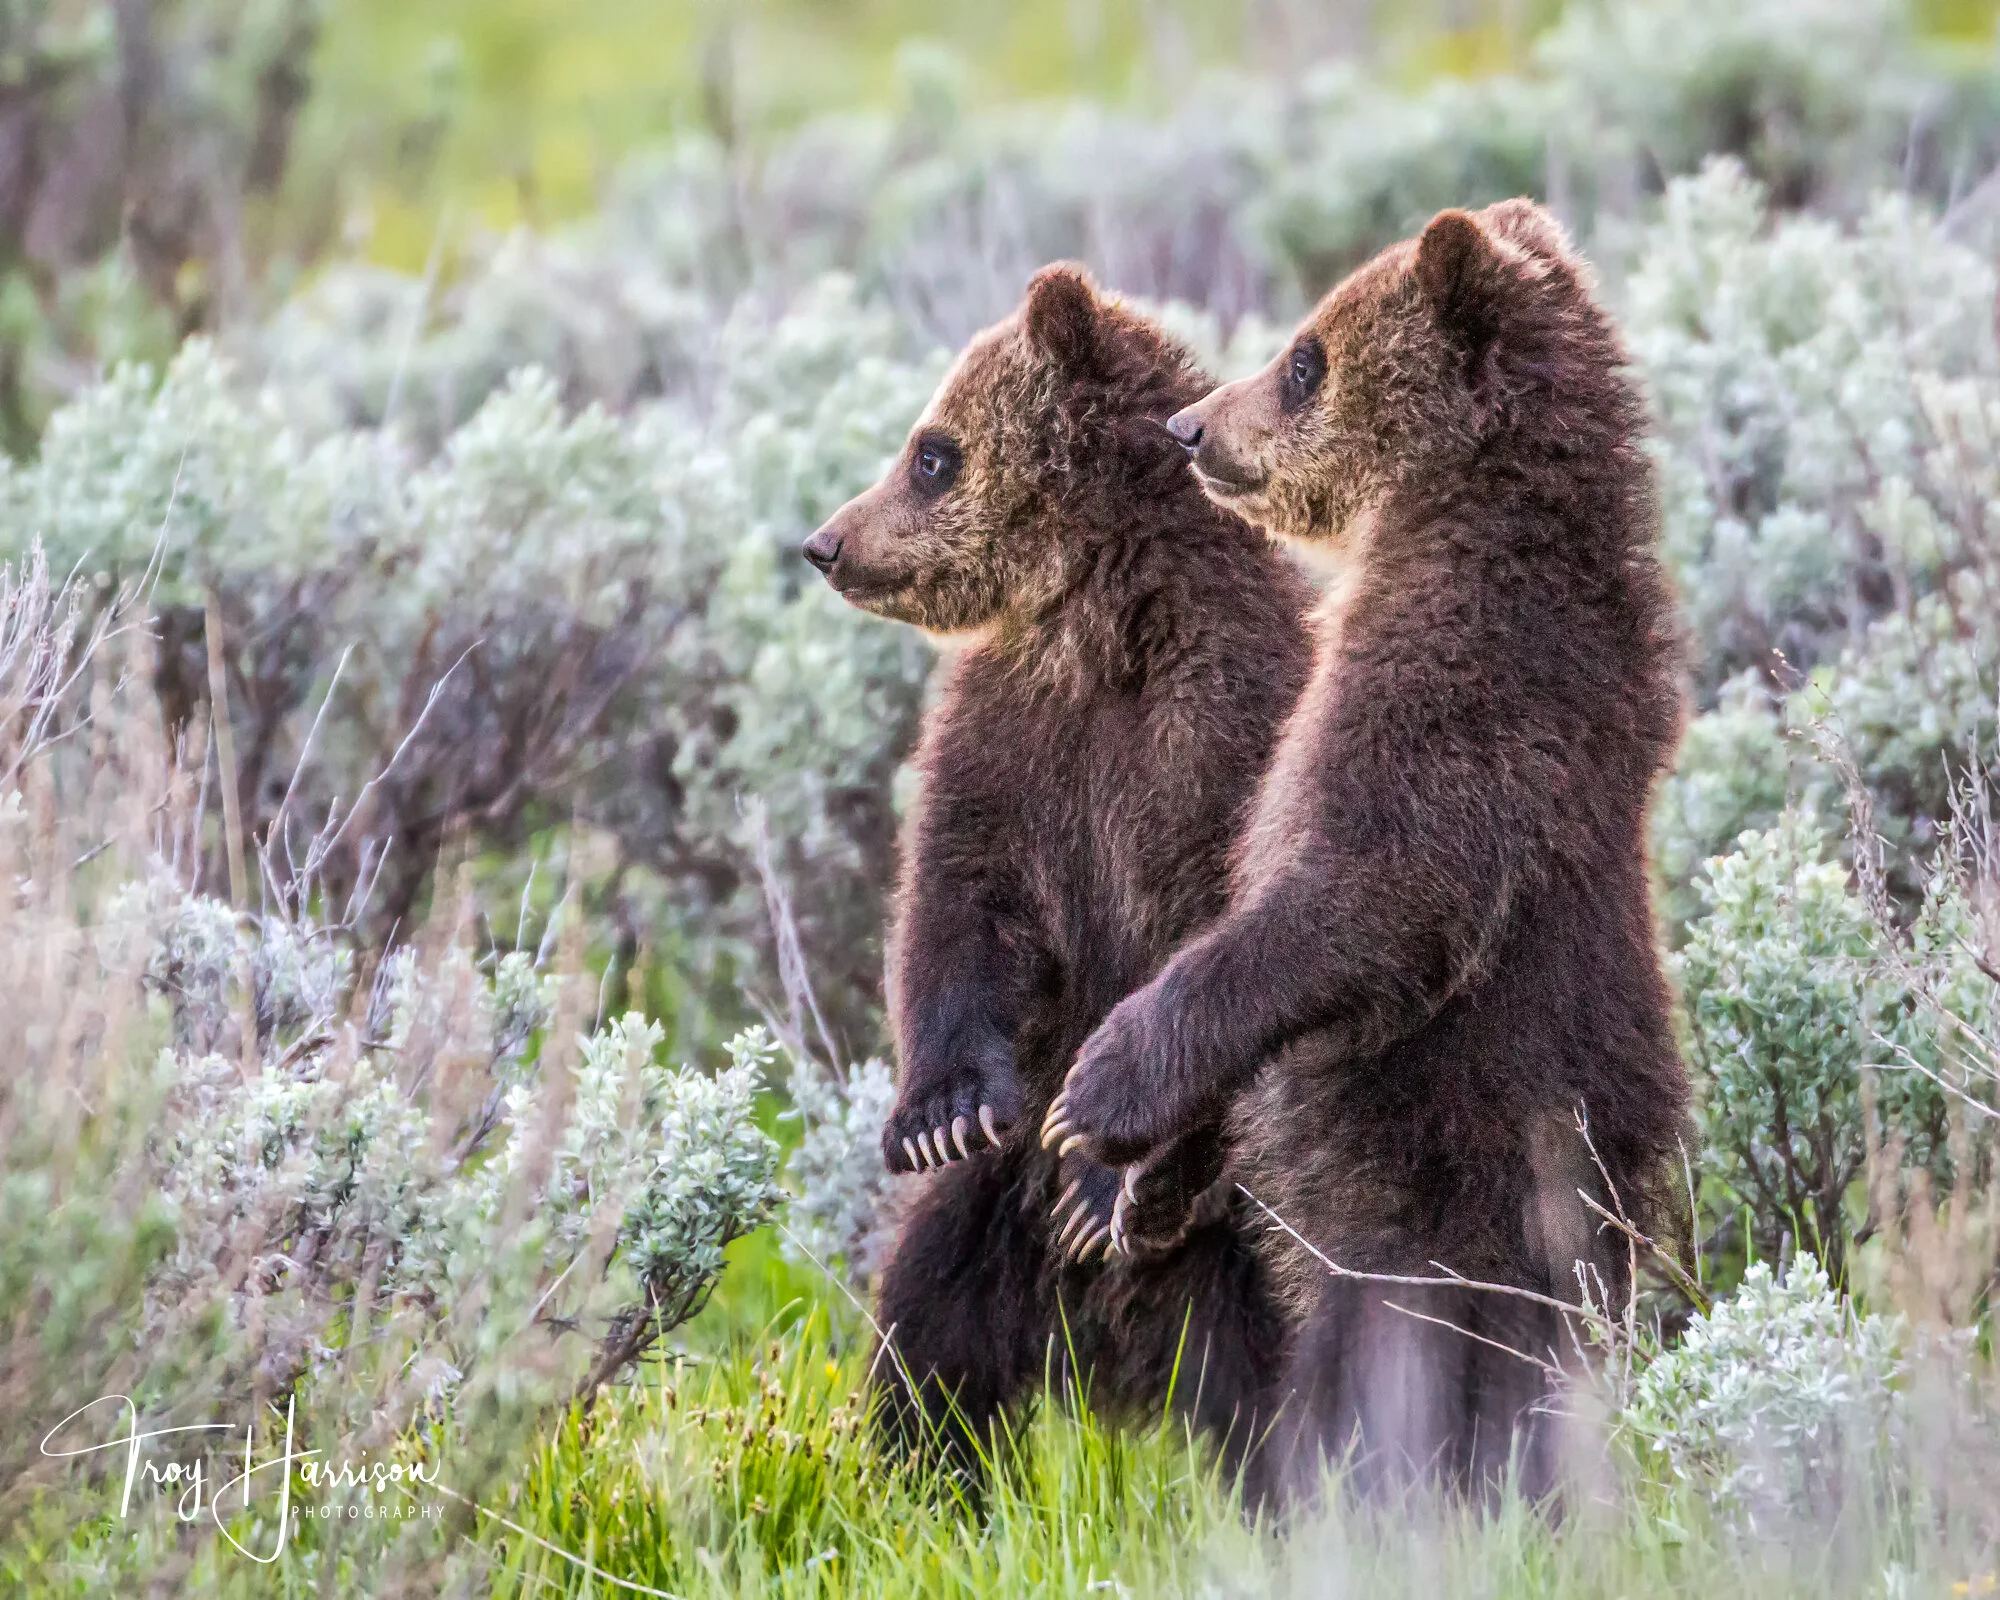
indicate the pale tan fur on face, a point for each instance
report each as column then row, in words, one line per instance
column 1385, row 407
column 1307, row 472
column 976, row 553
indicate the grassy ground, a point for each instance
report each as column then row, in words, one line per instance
column 745, row 1468
column 742, row 1465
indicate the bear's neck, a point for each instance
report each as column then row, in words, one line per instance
column 1118, row 612
column 1539, row 491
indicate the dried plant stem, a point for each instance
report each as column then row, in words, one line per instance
column 1447, row 1279
column 225, row 752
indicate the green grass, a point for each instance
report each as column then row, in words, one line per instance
column 754, row 1472
column 742, row 1464
column 745, row 1467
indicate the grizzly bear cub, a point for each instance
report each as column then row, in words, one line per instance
column 1126, row 653
column 1439, row 954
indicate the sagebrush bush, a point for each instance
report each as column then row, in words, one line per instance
column 312, row 1142
column 1783, row 1014
column 557, row 617
column 1823, row 397
column 418, row 1195
column 840, row 1188
column 553, row 765
column 1779, row 1401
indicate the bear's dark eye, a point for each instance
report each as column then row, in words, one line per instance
column 934, row 464
column 1303, row 374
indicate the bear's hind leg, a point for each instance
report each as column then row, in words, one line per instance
column 1374, row 1391
column 1513, row 1399
column 965, row 1308
column 1196, row 1329
column 1420, row 1387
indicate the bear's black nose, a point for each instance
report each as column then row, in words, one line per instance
column 822, row 550
column 1186, row 427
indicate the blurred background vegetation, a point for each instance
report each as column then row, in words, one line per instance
column 409, row 414
column 518, row 110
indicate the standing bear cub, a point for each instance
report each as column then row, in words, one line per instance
column 1126, row 652
column 1439, row 947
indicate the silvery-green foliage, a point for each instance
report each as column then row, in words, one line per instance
column 1249, row 196
column 135, row 137
column 1250, row 193
column 500, row 1006
column 1915, row 702
column 1945, row 1059
column 522, row 1002
column 315, row 1180
column 710, row 1177
column 1365, row 164
column 1789, row 363
column 1224, row 353
column 364, row 344
column 1916, row 697
column 1778, row 1402
column 201, row 951
column 555, row 614
column 1735, row 770
column 409, row 1157
column 670, row 1166
column 838, row 1185
column 1785, row 1007
column 1824, row 100
column 1947, row 942
column 1827, row 396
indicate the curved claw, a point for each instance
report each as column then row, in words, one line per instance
column 986, row 1122
column 944, row 1156
column 1055, row 1119
column 930, row 1155
column 1069, row 1143
column 1065, row 1197
column 1130, row 1189
column 1071, row 1226
column 958, row 1127
column 1093, row 1241
column 910, row 1149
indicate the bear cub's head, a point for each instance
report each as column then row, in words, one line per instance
column 1047, row 425
column 1406, row 371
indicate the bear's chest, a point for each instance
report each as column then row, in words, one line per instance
column 1116, row 825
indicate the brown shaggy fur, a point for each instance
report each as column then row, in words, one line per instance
column 1128, row 654
column 1440, row 943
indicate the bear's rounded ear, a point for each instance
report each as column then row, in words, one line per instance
column 1062, row 316
column 1453, row 258
column 1531, row 226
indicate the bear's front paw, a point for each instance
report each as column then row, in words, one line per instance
column 1158, row 1200
column 951, row 1116
column 1085, row 1214
column 1106, row 1108
column 1144, row 1209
